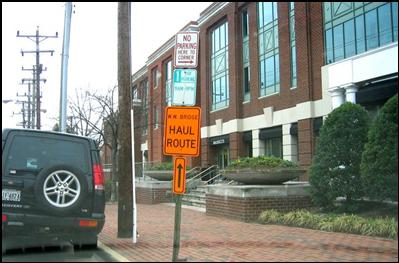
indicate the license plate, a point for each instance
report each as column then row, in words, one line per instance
column 11, row 195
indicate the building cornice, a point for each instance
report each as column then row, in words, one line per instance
column 139, row 73
column 211, row 11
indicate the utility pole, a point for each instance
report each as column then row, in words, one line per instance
column 64, row 66
column 125, row 203
column 22, row 111
column 31, row 100
column 34, row 96
column 37, row 39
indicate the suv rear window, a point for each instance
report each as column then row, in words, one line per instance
column 30, row 152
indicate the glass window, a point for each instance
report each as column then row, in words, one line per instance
column 168, row 83
column 246, row 84
column 155, row 76
column 384, row 24
column 269, row 72
column 245, row 28
column 338, row 43
column 219, row 68
column 275, row 13
column 292, row 43
column 274, row 147
column 395, row 20
column 260, row 15
column 262, row 78
column 135, row 93
column 372, row 23
column 156, row 117
column 360, row 37
column 293, row 66
column 261, row 44
column 349, row 31
column 371, row 30
column 329, row 47
column 268, row 48
column 36, row 153
column 245, row 55
column 267, row 15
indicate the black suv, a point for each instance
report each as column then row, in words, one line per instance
column 52, row 189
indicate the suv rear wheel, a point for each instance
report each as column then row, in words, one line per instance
column 60, row 189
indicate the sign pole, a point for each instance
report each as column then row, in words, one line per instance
column 176, row 238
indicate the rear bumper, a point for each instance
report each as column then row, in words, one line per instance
column 50, row 228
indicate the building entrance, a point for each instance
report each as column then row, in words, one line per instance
column 223, row 156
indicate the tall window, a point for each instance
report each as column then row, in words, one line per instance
column 135, row 93
column 352, row 28
column 156, row 117
column 155, row 77
column 220, row 67
column 245, row 55
column 168, row 83
column 274, row 147
column 269, row 72
column 292, row 44
column 144, row 86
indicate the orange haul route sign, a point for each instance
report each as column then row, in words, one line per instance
column 179, row 176
column 182, row 131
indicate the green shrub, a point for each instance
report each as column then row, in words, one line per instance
column 161, row 166
column 379, row 167
column 335, row 171
column 270, row 216
column 260, row 161
column 351, row 224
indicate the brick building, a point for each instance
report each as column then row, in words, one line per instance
column 269, row 72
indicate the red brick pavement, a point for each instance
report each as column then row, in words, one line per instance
column 208, row 238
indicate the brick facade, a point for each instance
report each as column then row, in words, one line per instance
column 309, row 49
column 249, row 209
column 153, row 195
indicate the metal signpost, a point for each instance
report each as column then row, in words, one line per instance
column 182, row 122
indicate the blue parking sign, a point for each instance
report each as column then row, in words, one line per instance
column 184, row 87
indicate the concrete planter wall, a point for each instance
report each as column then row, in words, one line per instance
column 246, row 202
column 153, row 192
column 263, row 176
column 160, row 175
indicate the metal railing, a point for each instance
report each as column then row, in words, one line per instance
column 204, row 173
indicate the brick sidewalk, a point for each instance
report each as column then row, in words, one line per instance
column 208, row 238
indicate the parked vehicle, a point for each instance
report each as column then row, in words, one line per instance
column 52, row 189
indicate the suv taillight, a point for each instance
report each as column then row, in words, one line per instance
column 4, row 218
column 98, row 177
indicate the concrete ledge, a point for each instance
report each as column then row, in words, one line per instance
column 154, row 184
column 247, row 191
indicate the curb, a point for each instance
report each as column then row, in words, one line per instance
column 113, row 253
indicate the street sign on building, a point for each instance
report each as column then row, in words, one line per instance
column 182, row 131
column 184, row 87
column 179, row 175
column 186, row 50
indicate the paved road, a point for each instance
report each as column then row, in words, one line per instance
column 58, row 254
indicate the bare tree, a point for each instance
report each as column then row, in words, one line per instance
column 108, row 106
column 95, row 115
column 86, row 116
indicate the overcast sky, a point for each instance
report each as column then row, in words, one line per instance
column 93, row 46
